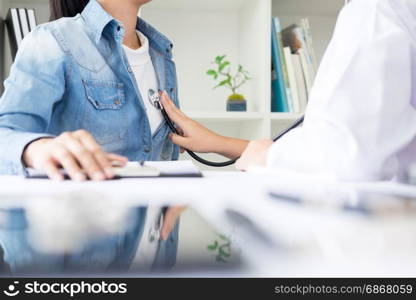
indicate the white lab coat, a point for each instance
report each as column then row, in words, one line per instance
column 361, row 119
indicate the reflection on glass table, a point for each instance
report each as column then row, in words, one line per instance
column 78, row 235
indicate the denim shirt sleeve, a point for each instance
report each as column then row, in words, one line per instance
column 36, row 83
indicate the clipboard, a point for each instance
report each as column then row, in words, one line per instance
column 151, row 169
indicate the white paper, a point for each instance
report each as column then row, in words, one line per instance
column 180, row 167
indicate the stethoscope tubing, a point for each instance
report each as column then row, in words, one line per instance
column 172, row 127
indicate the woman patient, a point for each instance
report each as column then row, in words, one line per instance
column 77, row 98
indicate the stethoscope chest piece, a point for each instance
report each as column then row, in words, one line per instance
column 154, row 98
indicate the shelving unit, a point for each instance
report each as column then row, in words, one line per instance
column 241, row 29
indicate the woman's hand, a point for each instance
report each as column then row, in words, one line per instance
column 195, row 137
column 77, row 152
column 169, row 222
column 254, row 155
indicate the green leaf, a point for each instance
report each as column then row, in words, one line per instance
column 224, row 82
column 225, row 251
column 211, row 72
column 213, row 247
column 224, row 237
column 219, row 59
column 224, row 65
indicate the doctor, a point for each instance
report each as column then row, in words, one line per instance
column 360, row 123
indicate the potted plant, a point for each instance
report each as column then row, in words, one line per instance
column 222, row 73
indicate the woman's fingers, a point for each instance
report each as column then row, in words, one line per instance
column 80, row 154
column 172, row 105
column 68, row 162
column 117, row 160
column 98, row 163
column 52, row 170
column 181, row 141
column 170, row 220
column 77, row 152
column 174, row 113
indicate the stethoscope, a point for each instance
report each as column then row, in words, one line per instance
column 154, row 99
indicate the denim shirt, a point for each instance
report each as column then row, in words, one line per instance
column 72, row 74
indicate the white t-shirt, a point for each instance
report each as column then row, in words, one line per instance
column 144, row 72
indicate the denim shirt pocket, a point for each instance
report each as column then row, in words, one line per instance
column 103, row 115
column 104, row 94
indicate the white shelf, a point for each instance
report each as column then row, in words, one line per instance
column 241, row 116
column 225, row 116
column 284, row 116
column 192, row 5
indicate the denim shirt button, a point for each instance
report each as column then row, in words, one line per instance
column 117, row 102
column 130, row 69
column 147, row 149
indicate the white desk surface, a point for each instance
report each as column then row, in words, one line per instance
column 314, row 242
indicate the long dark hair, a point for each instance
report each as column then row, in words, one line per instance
column 66, row 8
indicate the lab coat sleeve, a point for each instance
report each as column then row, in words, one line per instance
column 36, row 83
column 360, row 113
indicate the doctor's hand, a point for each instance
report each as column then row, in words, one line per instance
column 77, row 152
column 195, row 137
column 254, row 155
column 169, row 222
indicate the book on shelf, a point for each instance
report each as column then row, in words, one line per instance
column 24, row 22
column 300, row 82
column 299, row 62
column 20, row 22
column 279, row 87
column 294, row 105
column 14, row 30
column 306, row 70
column 298, row 36
column 31, row 15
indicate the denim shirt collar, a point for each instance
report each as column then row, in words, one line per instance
column 97, row 19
